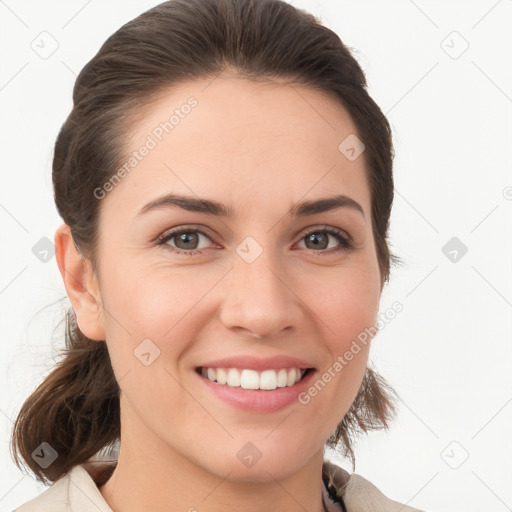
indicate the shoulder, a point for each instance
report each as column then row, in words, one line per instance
column 73, row 492
column 357, row 493
column 55, row 498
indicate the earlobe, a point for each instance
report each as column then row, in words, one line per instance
column 80, row 283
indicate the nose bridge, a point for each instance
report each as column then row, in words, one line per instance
column 258, row 297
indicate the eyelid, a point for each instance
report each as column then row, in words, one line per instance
column 183, row 228
column 326, row 227
column 347, row 244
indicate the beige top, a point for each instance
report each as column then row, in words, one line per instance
column 77, row 491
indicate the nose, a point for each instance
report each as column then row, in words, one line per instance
column 259, row 299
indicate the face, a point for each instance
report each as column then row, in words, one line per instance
column 181, row 288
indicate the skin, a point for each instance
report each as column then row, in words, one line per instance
column 259, row 149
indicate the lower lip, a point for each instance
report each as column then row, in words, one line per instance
column 257, row 400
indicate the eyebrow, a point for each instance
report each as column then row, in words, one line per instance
column 212, row 207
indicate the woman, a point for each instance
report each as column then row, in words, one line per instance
column 225, row 183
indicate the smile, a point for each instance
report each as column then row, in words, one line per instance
column 266, row 380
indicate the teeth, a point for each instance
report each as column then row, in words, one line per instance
column 222, row 376
column 282, row 378
column 291, row 377
column 268, row 380
column 251, row 379
column 233, row 378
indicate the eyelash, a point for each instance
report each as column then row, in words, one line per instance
column 346, row 242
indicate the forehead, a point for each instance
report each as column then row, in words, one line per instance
column 241, row 141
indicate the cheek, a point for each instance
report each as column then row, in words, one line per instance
column 347, row 305
column 347, row 314
column 156, row 312
column 344, row 313
column 152, row 303
column 161, row 304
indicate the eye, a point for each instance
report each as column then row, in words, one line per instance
column 188, row 240
column 185, row 240
column 317, row 240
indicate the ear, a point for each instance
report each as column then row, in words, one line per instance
column 81, row 284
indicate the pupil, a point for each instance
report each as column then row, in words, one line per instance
column 314, row 238
column 187, row 238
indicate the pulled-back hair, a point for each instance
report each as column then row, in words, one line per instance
column 76, row 408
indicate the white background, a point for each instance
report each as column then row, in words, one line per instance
column 448, row 353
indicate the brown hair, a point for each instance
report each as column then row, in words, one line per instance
column 76, row 408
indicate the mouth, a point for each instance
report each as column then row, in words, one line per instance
column 244, row 378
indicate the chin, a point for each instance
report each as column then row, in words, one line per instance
column 260, row 461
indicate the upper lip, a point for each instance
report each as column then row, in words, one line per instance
column 257, row 363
